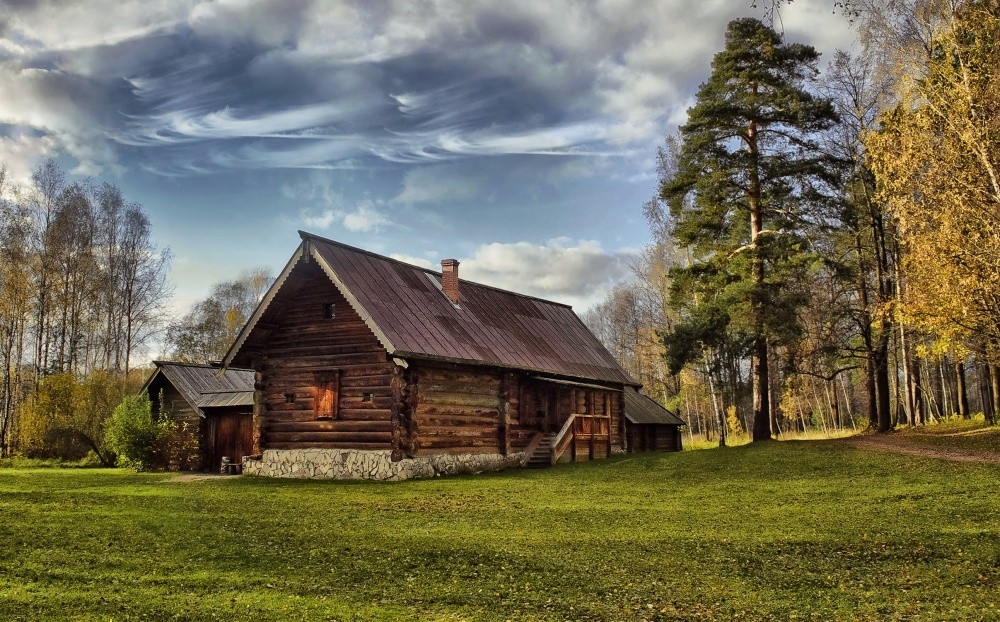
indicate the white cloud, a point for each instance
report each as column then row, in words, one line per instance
column 21, row 153
column 577, row 272
column 53, row 24
column 347, row 81
column 322, row 220
column 364, row 218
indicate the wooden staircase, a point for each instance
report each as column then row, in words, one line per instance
column 540, row 457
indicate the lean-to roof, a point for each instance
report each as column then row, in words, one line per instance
column 203, row 386
column 643, row 409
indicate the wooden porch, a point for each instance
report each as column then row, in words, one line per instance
column 581, row 438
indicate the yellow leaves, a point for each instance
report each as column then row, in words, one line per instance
column 234, row 319
column 935, row 163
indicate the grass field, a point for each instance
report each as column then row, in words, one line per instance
column 790, row 530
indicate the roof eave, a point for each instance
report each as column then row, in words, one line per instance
column 261, row 308
column 352, row 300
column 478, row 363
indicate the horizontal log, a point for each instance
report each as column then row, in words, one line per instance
column 456, row 420
column 329, row 437
column 458, row 399
column 299, row 337
column 446, row 441
column 355, row 369
column 451, row 446
column 357, row 380
column 325, row 445
column 321, row 330
column 436, row 451
column 365, row 413
column 324, row 349
column 321, row 359
column 335, row 425
column 430, row 410
column 379, row 402
column 344, row 414
column 454, row 431
column 437, row 374
column 469, row 388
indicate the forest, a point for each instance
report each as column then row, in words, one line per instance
column 83, row 292
column 824, row 255
column 826, row 244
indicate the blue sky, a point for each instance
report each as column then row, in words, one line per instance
column 516, row 136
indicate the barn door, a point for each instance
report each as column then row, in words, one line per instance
column 233, row 437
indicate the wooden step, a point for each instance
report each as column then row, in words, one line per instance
column 541, row 457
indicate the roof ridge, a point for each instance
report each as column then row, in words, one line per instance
column 306, row 235
column 159, row 363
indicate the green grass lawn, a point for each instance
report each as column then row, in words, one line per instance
column 791, row 530
column 973, row 435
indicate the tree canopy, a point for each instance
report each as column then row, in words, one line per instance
column 750, row 184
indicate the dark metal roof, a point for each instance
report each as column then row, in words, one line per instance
column 203, row 386
column 643, row 409
column 412, row 318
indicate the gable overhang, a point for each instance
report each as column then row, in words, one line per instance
column 352, row 300
column 162, row 371
column 305, row 252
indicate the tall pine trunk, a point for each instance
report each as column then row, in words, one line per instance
column 758, row 359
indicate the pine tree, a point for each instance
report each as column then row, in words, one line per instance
column 750, row 184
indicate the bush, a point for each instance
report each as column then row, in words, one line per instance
column 139, row 441
column 182, row 447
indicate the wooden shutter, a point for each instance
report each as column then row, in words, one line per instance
column 326, row 399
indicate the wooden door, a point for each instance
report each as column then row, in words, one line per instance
column 233, row 433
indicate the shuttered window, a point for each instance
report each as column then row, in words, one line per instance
column 327, row 391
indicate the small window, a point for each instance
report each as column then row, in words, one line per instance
column 289, row 398
column 325, row 398
column 367, row 397
column 329, row 311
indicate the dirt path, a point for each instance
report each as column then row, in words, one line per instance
column 911, row 446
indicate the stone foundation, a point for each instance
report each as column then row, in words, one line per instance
column 377, row 465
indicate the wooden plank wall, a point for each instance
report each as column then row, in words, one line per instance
column 650, row 437
column 304, row 346
column 458, row 411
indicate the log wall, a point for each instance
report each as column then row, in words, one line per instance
column 305, row 349
column 458, row 411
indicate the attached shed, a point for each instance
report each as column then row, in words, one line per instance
column 366, row 366
column 649, row 426
column 217, row 407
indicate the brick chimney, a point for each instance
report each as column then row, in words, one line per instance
column 449, row 279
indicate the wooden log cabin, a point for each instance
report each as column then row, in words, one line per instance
column 353, row 351
column 216, row 406
column 648, row 425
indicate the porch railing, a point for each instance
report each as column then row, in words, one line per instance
column 581, row 435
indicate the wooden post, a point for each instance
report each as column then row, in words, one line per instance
column 621, row 417
column 397, row 409
column 410, row 420
column 259, row 408
column 507, row 410
column 591, row 440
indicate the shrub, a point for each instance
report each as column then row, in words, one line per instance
column 139, row 440
column 182, row 447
